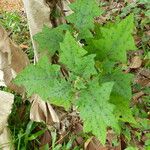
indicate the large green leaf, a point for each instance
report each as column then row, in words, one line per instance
column 45, row 79
column 95, row 109
column 83, row 16
column 116, row 39
column 73, row 56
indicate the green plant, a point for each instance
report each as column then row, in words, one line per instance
column 141, row 11
column 56, row 146
column 88, row 72
column 147, row 142
column 23, row 130
column 17, row 27
column 11, row 21
column 131, row 148
column 24, row 137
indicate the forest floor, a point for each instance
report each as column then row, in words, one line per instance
column 13, row 18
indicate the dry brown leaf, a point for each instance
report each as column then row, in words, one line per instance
column 145, row 72
column 24, row 46
column 2, row 82
column 36, row 9
column 86, row 144
column 136, row 62
column 45, row 139
column 42, row 111
column 94, row 144
column 6, row 101
column 5, row 140
column 144, row 82
column 131, row 1
column 12, row 61
column 143, row 77
column 71, row 1
column 137, row 96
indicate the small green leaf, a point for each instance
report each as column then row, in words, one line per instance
column 49, row 38
column 36, row 135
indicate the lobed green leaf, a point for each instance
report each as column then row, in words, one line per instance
column 83, row 16
column 114, row 42
column 45, row 79
column 95, row 109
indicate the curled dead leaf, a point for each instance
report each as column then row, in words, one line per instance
column 42, row 111
column 12, row 61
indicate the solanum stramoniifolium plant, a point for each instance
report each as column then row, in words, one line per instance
column 104, row 90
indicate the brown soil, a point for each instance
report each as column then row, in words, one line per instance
column 11, row 5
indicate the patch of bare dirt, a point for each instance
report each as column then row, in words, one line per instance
column 11, row 5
